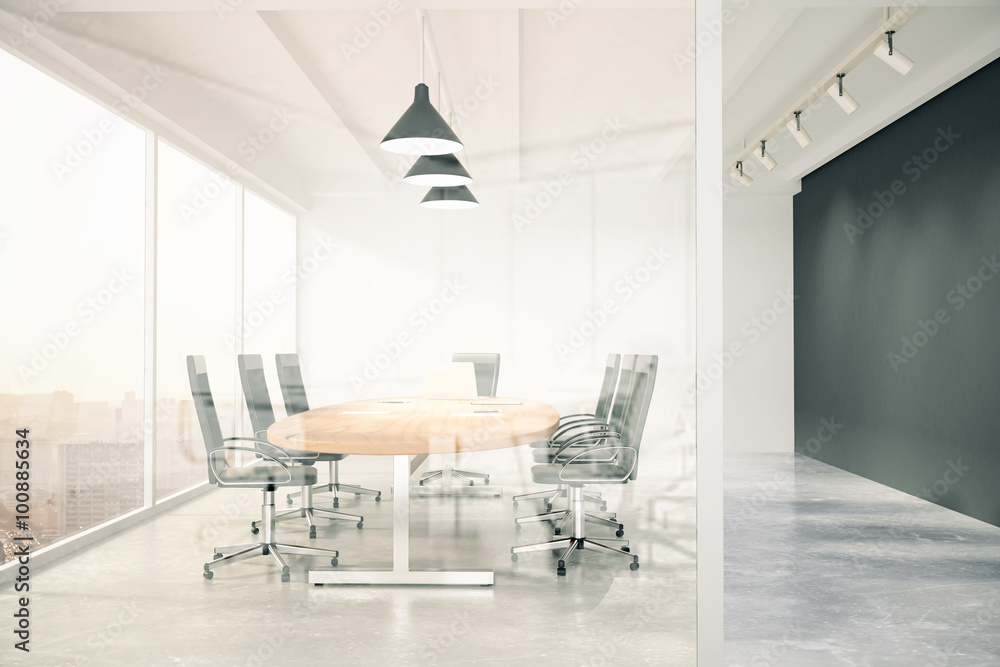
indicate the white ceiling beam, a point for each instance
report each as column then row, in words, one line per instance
column 751, row 60
column 304, row 61
column 279, row 184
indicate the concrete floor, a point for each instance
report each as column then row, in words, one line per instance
column 827, row 568
column 139, row 598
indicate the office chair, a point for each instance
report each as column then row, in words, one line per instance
column 611, row 458
column 278, row 470
column 600, row 414
column 293, row 391
column 258, row 401
column 487, row 368
column 575, row 436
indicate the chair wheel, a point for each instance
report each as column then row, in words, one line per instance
column 378, row 498
column 619, row 532
column 517, row 527
column 626, row 549
column 254, row 529
column 357, row 495
column 216, row 556
column 513, row 558
column 421, row 482
column 558, row 531
column 515, row 503
column 208, row 574
column 486, row 481
column 471, row 483
column 633, row 566
column 561, row 570
column 548, row 507
column 285, row 577
column 334, row 561
column 361, row 524
column 604, row 507
column 288, row 500
column 312, row 532
column 336, row 502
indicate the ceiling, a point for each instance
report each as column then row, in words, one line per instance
column 531, row 84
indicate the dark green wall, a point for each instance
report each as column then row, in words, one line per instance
column 897, row 320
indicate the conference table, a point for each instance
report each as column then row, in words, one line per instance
column 410, row 429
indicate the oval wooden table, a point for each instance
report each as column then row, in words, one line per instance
column 409, row 429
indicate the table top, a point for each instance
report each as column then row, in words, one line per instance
column 416, row 426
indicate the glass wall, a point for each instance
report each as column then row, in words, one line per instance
column 71, row 265
column 195, row 310
column 73, row 257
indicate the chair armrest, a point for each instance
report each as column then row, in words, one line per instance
column 569, row 464
column 231, row 448
column 274, row 449
column 592, row 436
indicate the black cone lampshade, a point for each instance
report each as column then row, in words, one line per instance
column 437, row 170
column 421, row 130
column 450, row 198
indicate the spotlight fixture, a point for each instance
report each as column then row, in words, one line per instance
column 437, row 170
column 765, row 158
column 421, row 130
column 843, row 98
column 892, row 58
column 455, row 197
column 795, row 127
column 738, row 174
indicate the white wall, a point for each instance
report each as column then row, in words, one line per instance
column 530, row 294
column 758, row 391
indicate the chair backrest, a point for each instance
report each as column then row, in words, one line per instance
column 623, row 390
column 255, row 392
column 201, row 394
column 293, row 391
column 644, row 377
column 487, row 370
column 607, row 387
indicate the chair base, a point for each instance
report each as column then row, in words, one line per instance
column 577, row 517
column 310, row 513
column 335, row 486
column 267, row 546
column 462, row 475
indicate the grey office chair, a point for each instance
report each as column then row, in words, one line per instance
column 575, row 436
column 258, row 401
column 611, row 457
column 293, row 391
column 277, row 470
column 599, row 415
column 487, row 369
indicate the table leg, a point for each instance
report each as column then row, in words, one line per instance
column 401, row 573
